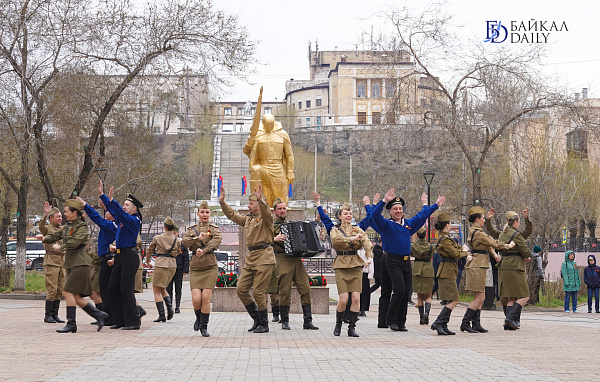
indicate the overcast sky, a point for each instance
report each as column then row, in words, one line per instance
column 283, row 29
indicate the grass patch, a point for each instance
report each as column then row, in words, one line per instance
column 34, row 282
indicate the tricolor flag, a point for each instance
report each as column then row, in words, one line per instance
column 290, row 191
column 244, row 185
column 219, row 185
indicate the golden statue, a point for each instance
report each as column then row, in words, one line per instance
column 271, row 159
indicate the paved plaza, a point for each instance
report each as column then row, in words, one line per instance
column 551, row 346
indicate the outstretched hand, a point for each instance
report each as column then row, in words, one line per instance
column 491, row 213
column 222, row 196
column 376, row 198
column 526, row 213
column 317, row 197
column 366, row 200
column 47, row 208
column 424, row 199
column 440, row 200
column 111, row 192
column 258, row 192
column 80, row 200
column 390, row 195
column 100, row 189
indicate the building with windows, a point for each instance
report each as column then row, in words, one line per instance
column 236, row 117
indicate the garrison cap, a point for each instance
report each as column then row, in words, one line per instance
column 277, row 201
column 73, row 203
column 396, row 200
column 53, row 211
column 345, row 207
column 511, row 215
column 176, row 229
column 421, row 231
column 252, row 198
column 135, row 202
column 444, row 217
column 169, row 222
column 476, row 210
column 204, row 205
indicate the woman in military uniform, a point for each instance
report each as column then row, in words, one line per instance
column 202, row 240
column 512, row 277
column 167, row 248
column 78, row 264
column 449, row 252
column 482, row 246
column 346, row 240
column 422, row 274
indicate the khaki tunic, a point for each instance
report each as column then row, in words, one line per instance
column 476, row 269
column 164, row 267
column 512, row 277
column 204, row 270
column 56, row 259
column 422, row 271
column 493, row 232
column 348, row 268
column 78, row 263
column 448, row 270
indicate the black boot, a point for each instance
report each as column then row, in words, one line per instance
column 49, row 312
column 204, row 324
column 285, row 317
column 477, row 322
column 141, row 311
column 99, row 315
column 55, row 312
column 253, row 312
column 512, row 317
column 198, row 322
column 161, row 312
column 306, row 311
column 426, row 313
column 465, row 326
column 276, row 310
column 352, row 324
column 169, row 305
column 263, row 321
column 71, row 325
column 504, row 307
column 339, row 317
column 441, row 320
column 445, row 324
column 100, row 307
column 421, row 314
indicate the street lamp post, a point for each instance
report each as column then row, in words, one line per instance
column 428, row 175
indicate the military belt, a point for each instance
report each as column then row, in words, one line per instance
column 423, row 260
column 511, row 254
column 448, row 260
column 346, row 253
column 258, row 246
column 127, row 250
column 481, row 251
column 405, row 258
column 163, row 255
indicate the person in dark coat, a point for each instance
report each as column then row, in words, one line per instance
column 183, row 268
column 377, row 254
column 591, row 278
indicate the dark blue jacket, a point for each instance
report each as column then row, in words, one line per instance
column 128, row 226
column 591, row 274
column 108, row 230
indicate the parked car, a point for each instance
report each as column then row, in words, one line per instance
column 34, row 254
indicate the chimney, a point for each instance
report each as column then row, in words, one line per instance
column 584, row 93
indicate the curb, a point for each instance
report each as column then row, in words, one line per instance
column 21, row 296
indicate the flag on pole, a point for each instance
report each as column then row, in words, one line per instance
column 290, row 191
column 219, row 185
column 244, row 185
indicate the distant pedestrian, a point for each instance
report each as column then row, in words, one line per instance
column 377, row 255
column 422, row 274
column 591, row 278
column 571, row 280
column 537, row 273
column 183, row 268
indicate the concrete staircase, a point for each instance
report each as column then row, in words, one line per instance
column 231, row 163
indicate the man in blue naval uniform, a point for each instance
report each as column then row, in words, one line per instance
column 395, row 238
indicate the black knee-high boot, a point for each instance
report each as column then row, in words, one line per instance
column 465, row 326
column 426, row 313
column 339, row 317
column 71, row 324
column 169, row 304
column 198, row 322
column 204, row 324
column 477, row 322
column 352, row 324
column 161, row 312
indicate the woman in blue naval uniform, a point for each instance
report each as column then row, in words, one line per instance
column 122, row 280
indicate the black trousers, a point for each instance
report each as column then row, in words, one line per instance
column 178, row 281
column 386, row 291
column 104, row 279
column 365, row 295
column 121, row 288
column 375, row 285
column 400, row 273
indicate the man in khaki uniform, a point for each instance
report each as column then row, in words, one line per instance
column 260, row 261
column 54, row 275
column 289, row 269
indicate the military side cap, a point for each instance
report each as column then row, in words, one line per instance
column 252, row 198
column 537, row 249
column 277, row 201
column 169, row 221
column 397, row 200
column 476, row 210
column 135, row 202
column 421, row 231
column 345, row 207
column 511, row 214
column 444, row 217
column 176, row 229
column 204, row 205
column 55, row 210
column 73, row 203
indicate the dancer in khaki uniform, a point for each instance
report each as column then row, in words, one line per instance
column 422, row 274
column 167, row 248
column 202, row 240
column 289, row 270
column 259, row 261
column 54, row 275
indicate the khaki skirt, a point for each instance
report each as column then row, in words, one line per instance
column 447, row 289
column 348, row 279
column 423, row 285
column 206, row 278
column 475, row 279
column 95, row 279
column 512, row 283
column 272, row 288
column 139, row 286
column 79, row 281
column 163, row 276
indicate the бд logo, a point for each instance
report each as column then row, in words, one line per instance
column 496, row 32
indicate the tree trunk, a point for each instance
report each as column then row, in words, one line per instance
column 21, row 237
column 476, row 175
column 4, row 224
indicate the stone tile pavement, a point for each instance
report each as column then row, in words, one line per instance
column 551, row 346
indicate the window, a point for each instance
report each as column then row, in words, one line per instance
column 319, row 102
column 240, row 111
column 299, row 105
column 577, row 144
column 308, row 104
column 390, row 90
column 299, row 121
column 239, row 127
column 361, row 89
column 228, row 127
column 308, row 122
column 362, row 117
column 376, row 89
column 319, row 123
column 268, row 110
column 376, row 118
column 252, row 111
column 227, row 111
